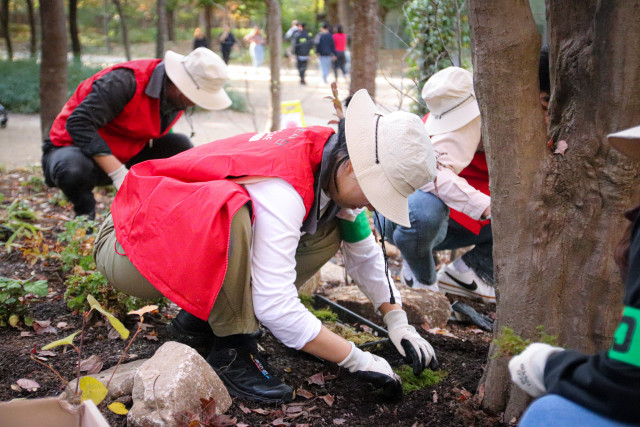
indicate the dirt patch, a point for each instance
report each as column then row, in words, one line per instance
column 341, row 400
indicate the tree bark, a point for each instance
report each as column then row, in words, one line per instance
column 53, row 68
column 73, row 29
column 556, row 217
column 208, row 22
column 161, row 10
column 364, row 51
column 125, row 30
column 33, row 40
column 4, row 17
column 171, row 18
column 274, row 38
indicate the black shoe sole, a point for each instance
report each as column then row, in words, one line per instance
column 200, row 343
column 236, row 392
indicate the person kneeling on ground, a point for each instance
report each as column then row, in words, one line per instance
column 600, row 389
column 230, row 229
column 122, row 116
column 455, row 210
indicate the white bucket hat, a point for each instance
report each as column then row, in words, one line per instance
column 200, row 76
column 391, row 155
column 627, row 142
column 451, row 100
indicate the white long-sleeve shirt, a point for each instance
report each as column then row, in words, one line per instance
column 279, row 212
column 454, row 152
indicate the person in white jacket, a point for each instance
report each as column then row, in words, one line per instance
column 454, row 211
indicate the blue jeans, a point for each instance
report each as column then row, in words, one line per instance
column 554, row 410
column 325, row 66
column 257, row 54
column 431, row 229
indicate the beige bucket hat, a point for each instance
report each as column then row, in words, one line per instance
column 627, row 142
column 451, row 100
column 391, row 156
column 200, row 76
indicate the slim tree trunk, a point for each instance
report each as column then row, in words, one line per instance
column 274, row 38
column 208, row 22
column 343, row 14
column 364, row 52
column 33, row 40
column 171, row 32
column 556, row 217
column 125, row 30
column 161, row 10
column 73, row 29
column 4, row 17
column 53, row 69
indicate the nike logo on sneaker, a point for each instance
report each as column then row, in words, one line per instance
column 408, row 282
column 468, row 286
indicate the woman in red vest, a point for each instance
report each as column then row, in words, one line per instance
column 230, row 229
column 122, row 116
column 453, row 211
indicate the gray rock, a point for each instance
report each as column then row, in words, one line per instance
column 122, row 382
column 172, row 382
column 422, row 306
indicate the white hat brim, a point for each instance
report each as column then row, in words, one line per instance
column 454, row 119
column 360, row 127
column 627, row 142
column 218, row 100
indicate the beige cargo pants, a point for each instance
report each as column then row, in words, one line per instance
column 232, row 313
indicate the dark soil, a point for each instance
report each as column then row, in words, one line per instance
column 341, row 400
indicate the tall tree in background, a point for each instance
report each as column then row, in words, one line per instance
column 364, row 48
column 53, row 68
column 274, row 38
column 73, row 29
column 161, row 32
column 33, row 39
column 556, row 216
column 125, row 30
column 4, row 23
column 172, row 6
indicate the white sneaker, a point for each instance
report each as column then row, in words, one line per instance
column 408, row 279
column 457, row 278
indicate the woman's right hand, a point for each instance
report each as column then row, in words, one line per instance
column 374, row 370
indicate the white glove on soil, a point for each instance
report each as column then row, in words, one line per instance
column 416, row 350
column 117, row 176
column 375, row 370
column 527, row 368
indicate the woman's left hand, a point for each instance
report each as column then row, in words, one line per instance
column 416, row 350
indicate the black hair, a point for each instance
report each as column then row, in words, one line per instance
column 543, row 70
column 339, row 29
column 339, row 154
column 326, row 25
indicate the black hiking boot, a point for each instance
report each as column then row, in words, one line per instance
column 244, row 371
column 196, row 333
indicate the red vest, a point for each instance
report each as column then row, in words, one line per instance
column 340, row 42
column 129, row 131
column 477, row 175
column 173, row 216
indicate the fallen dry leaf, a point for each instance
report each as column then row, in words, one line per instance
column 434, row 397
column 261, row 411
column 25, row 334
column 16, row 387
column 244, row 409
column 151, row 337
column 61, row 325
column 293, row 409
column 440, row 331
column 316, row 379
column 304, row 393
column 279, row 422
column 44, row 327
column 92, row 365
column 47, row 353
column 339, row 421
column 27, row 384
column 328, row 399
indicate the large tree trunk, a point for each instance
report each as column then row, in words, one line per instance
column 33, row 40
column 73, row 29
column 343, row 14
column 161, row 10
column 274, row 38
column 125, row 30
column 556, row 217
column 4, row 18
column 53, row 68
column 364, row 51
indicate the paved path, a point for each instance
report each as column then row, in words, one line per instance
column 20, row 141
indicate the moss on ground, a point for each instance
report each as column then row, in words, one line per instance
column 427, row 378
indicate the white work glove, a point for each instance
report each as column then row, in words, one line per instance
column 416, row 350
column 117, row 176
column 527, row 368
column 375, row 370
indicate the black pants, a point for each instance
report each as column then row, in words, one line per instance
column 77, row 174
column 226, row 53
column 340, row 63
column 302, row 68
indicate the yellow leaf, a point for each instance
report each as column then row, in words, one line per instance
column 118, row 408
column 146, row 309
column 117, row 325
column 92, row 389
column 64, row 341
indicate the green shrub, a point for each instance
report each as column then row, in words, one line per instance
column 80, row 285
column 427, row 378
column 16, row 221
column 14, row 297
column 79, row 244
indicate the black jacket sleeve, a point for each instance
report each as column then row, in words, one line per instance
column 607, row 382
column 108, row 97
